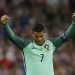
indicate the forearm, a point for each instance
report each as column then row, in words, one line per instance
column 71, row 31
column 8, row 31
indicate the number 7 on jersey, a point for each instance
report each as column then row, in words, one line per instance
column 42, row 57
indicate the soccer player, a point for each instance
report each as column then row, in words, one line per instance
column 38, row 53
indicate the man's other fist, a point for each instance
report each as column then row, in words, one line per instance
column 4, row 19
column 73, row 16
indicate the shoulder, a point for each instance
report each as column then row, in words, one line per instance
column 49, row 41
column 26, row 42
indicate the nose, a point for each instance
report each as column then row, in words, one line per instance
column 39, row 39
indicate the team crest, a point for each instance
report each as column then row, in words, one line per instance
column 47, row 48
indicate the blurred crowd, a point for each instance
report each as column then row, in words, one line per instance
column 56, row 16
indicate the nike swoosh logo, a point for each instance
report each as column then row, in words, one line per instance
column 35, row 48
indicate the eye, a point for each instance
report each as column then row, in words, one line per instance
column 36, row 36
column 41, row 36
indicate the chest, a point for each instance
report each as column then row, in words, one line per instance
column 39, row 53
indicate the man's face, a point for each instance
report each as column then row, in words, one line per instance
column 39, row 37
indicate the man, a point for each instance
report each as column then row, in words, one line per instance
column 38, row 53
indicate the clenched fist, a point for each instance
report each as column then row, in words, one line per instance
column 73, row 16
column 4, row 19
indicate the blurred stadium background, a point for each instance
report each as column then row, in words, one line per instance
column 55, row 14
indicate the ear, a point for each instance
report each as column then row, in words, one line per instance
column 32, row 34
column 44, row 32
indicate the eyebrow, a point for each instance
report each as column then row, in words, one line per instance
column 39, row 36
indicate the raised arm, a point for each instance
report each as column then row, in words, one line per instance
column 19, row 42
column 67, row 35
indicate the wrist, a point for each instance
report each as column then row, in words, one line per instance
column 73, row 21
column 4, row 25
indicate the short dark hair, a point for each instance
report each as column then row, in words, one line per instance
column 38, row 27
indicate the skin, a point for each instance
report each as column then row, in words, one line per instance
column 39, row 37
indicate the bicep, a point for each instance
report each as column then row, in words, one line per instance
column 20, row 42
column 59, row 40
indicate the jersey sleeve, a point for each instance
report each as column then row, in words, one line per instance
column 19, row 42
column 64, row 37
